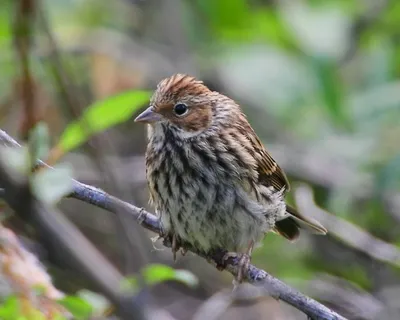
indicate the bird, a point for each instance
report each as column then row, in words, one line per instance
column 211, row 180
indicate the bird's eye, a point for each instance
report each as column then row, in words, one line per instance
column 180, row 109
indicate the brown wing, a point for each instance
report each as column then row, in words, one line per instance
column 270, row 174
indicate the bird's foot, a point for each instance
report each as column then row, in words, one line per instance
column 176, row 245
column 242, row 264
column 183, row 251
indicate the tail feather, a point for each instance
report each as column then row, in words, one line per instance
column 290, row 226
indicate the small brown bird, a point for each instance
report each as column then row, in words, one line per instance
column 212, row 182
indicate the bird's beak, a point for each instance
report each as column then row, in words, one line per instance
column 148, row 116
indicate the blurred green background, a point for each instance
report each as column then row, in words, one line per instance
column 319, row 81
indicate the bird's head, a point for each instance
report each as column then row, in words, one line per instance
column 187, row 105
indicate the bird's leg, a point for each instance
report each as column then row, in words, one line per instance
column 184, row 251
column 244, row 261
column 171, row 239
column 175, row 246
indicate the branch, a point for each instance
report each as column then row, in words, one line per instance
column 253, row 275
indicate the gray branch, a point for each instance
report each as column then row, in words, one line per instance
column 253, row 275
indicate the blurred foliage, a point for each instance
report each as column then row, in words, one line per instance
column 78, row 307
column 11, row 309
column 154, row 274
column 86, row 304
column 321, row 75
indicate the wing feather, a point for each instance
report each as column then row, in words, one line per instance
column 270, row 174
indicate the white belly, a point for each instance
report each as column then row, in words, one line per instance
column 232, row 222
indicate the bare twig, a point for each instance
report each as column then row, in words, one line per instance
column 253, row 275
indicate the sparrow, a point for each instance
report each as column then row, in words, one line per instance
column 212, row 182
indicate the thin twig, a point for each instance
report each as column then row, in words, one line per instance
column 253, row 275
column 23, row 26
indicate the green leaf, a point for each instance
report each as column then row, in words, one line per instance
column 130, row 284
column 156, row 273
column 225, row 17
column 5, row 22
column 102, row 115
column 99, row 303
column 79, row 308
column 267, row 24
column 34, row 315
column 51, row 185
column 10, row 309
